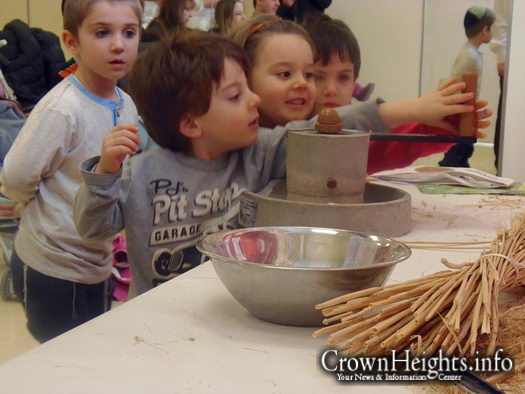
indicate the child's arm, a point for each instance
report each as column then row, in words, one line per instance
column 97, row 211
column 431, row 108
column 388, row 155
column 38, row 151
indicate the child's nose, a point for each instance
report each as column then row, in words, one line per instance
column 299, row 82
column 329, row 88
column 255, row 101
column 117, row 44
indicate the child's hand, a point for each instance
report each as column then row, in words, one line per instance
column 121, row 141
column 430, row 109
column 433, row 107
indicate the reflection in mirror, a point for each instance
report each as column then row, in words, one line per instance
column 407, row 46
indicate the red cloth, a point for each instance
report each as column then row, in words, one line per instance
column 67, row 71
column 388, row 155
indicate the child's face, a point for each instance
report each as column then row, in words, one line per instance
column 188, row 12
column 238, row 13
column 487, row 34
column 232, row 120
column 268, row 6
column 282, row 76
column 335, row 82
column 107, row 42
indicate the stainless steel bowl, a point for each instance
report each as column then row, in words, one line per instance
column 279, row 274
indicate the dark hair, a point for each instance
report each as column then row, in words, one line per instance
column 333, row 36
column 175, row 77
column 250, row 34
column 224, row 14
column 476, row 18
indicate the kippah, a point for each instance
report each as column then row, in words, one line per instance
column 474, row 15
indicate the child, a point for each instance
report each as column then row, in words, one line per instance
column 173, row 16
column 281, row 73
column 228, row 14
column 265, row 6
column 196, row 104
column 61, row 278
column 336, row 70
column 478, row 28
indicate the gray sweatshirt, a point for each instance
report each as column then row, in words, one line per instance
column 167, row 201
column 41, row 172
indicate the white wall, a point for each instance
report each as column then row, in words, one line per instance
column 389, row 34
column 513, row 144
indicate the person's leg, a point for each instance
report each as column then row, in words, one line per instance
column 17, row 271
column 457, row 156
column 497, row 130
column 49, row 304
column 93, row 300
column 54, row 306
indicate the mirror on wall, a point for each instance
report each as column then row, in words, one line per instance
column 407, row 45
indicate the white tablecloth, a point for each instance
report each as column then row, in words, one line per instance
column 189, row 335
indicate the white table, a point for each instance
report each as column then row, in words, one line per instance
column 190, row 336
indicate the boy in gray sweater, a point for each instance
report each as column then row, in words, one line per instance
column 194, row 98
column 61, row 278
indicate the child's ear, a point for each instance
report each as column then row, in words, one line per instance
column 70, row 42
column 189, row 127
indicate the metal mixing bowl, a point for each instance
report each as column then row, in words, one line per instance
column 279, row 274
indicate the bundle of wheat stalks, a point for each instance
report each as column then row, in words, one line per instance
column 448, row 310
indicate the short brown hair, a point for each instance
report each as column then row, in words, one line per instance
column 175, row 77
column 250, row 34
column 333, row 36
column 75, row 11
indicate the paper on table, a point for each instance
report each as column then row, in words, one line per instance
column 469, row 177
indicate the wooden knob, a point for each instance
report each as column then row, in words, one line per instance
column 328, row 121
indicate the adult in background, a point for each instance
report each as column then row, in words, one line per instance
column 498, row 45
column 173, row 15
column 265, row 7
column 304, row 8
column 228, row 14
column 286, row 9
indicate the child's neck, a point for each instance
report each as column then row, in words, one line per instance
column 201, row 151
column 475, row 41
column 101, row 87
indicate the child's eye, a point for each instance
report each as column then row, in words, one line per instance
column 101, row 33
column 284, row 74
column 344, row 78
column 235, row 97
column 308, row 76
column 130, row 33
